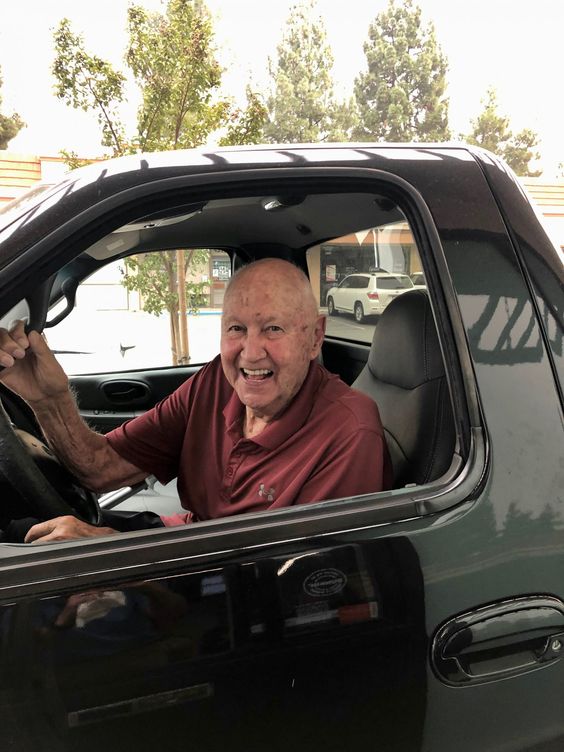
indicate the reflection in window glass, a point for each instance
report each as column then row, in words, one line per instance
column 356, row 276
column 394, row 283
column 129, row 314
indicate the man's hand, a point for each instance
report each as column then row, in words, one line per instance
column 64, row 528
column 30, row 368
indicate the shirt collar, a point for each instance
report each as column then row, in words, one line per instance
column 281, row 428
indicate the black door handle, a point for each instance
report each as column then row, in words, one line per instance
column 125, row 392
column 498, row 640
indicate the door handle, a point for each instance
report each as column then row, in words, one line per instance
column 125, row 392
column 499, row 640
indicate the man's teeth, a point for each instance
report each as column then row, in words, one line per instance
column 258, row 372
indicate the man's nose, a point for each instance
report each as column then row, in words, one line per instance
column 253, row 348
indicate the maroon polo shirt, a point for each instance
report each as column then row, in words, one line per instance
column 327, row 444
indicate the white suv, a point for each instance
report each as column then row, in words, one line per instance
column 366, row 294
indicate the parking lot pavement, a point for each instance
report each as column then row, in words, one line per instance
column 345, row 326
column 92, row 341
column 95, row 341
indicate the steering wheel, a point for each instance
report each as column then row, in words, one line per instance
column 47, row 488
column 27, row 464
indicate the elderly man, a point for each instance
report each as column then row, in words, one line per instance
column 261, row 427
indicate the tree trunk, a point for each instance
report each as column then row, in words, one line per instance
column 173, row 320
column 172, row 309
column 184, row 354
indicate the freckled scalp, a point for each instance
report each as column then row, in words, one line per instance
column 275, row 278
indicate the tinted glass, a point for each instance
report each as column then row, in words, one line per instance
column 393, row 283
column 347, row 261
column 361, row 283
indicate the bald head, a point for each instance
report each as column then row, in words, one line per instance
column 287, row 281
column 270, row 332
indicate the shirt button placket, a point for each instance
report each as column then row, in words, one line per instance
column 234, row 462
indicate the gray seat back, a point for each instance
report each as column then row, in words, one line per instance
column 405, row 376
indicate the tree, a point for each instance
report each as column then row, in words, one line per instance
column 173, row 62
column 491, row 131
column 87, row 82
column 401, row 96
column 519, row 152
column 72, row 160
column 171, row 58
column 163, row 280
column 10, row 125
column 246, row 126
column 302, row 106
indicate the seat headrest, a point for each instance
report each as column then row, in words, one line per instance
column 405, row 348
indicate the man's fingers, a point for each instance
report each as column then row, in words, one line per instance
column 64, row 528
column 40, row 530
column 13, row 345
column 19, row 335
column 38, row 345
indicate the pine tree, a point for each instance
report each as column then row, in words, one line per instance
column 401, row 96
column 491, row 131
column 519, row 152
column 10, row 125
column 303, row 107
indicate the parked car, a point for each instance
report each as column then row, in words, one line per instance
column 418, row 280
column 366, row 294
column 429, row 616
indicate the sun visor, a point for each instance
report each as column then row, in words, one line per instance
column 114, row 244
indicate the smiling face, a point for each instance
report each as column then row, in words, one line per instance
column 270, row 332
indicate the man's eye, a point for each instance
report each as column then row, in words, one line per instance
column 274, row 328
column 235, row 328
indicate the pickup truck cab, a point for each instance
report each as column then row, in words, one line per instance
column 429, row 616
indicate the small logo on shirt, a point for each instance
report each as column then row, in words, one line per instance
column 267, row 493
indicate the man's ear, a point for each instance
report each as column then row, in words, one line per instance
column 318, row 335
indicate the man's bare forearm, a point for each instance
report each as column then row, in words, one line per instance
column 87, row 454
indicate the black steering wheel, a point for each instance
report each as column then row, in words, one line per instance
column 47, row 488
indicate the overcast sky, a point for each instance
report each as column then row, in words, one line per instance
column 515, row 46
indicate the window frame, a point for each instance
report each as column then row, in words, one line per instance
column 389, row 509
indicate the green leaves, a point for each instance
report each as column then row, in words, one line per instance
column 10, row 125
column 302, row 106
column 172, row 59
column 491, row 131
column 87, row 82
column 173, row 62
column 246, row 126
column 155, row 277
column 401, row 96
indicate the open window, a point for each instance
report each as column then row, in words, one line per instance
column 138, row 312
column 361, row 248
